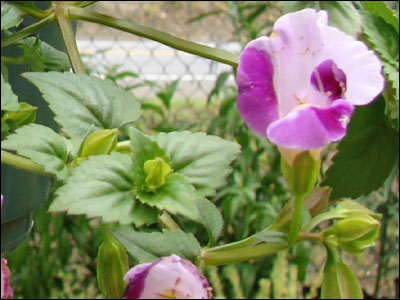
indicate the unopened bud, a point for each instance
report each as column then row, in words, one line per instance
column 353, row 234
column 157, row 170
column 112, row 264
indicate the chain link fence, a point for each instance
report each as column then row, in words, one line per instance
column 106, row 49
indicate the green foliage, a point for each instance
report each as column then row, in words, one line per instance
column 11, row 17
column 148, row 246
column 203, row 159
column 342, row 14
column 9, row 101
column 42, row 56
column 366, row 155
column 102, row 186
column 211, row 218
column 84, row 103
column 384, row 39
column 381, row 9
column 43, row 146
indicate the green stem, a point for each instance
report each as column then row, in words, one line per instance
column 166, row 221
column 295, row 225
column 322, row 218
column 69, row 39
column 156, row 35
column 26, row 31
column 214, row 258
column 13, row 60
column 124, row 147
column 383, row 260
column 22, row 163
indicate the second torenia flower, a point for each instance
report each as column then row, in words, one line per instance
column 167, row 278
column 299, row 86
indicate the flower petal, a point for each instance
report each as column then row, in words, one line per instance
column 167, row 278
column 361, row 66
column 311, row 127
column 257, row 102
column 329, row 79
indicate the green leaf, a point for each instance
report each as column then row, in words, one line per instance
column 211, row 218
column 219, row 84
column 204, row 159
column 102, row 186
column 143, row 148
column 381, row 9
column 147, row 247
column 42, row 56
column 42, row 145
column 339, row 280
column 9, row 101
column 176, row 196
column 10, row 16
column 342, row 14
column 167, row 93
column 385, row 41
column 84, row 103
column 365, row 156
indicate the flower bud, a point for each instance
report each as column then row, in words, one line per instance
column 167, row 278
column 112, row 264
column 15, row 119
column 300, row 171
column 353, row 234
column 156, row 170
column 102, row 141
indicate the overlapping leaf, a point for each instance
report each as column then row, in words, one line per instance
column 102, row 186
column 43, row 146
column 147, row 247
column 205, row 160
column 84, row 103
column 9, row 101
column 10, row 16
column 366, row 155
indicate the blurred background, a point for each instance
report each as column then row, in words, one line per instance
column 180, row 91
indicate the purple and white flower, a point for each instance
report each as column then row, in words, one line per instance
column 6, row 290
column 166, row 278
column 299, row 86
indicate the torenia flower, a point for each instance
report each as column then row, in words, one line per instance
column 6, row 290
column 167, row 278
column 299, row 86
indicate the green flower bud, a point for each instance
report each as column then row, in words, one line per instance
column 349, row 208
column 353, row 234
column 157, row 171
column 301, row 172
column 24, row 116
column 101, row 141
column 112, row 265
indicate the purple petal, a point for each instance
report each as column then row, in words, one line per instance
column 257, row 102
column 136, row 277
column 6, row 290
column 311, row 127
column 329, row 80
column 361, row 66
column 168, row 277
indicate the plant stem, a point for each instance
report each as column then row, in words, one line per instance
column 22, row 163
column 166, row 221
column 382, row 261
column 295, row 225
column 69, row 39
column 213, row 258
column 26, row 31
column 156, row 35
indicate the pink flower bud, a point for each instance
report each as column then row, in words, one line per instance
column 6, row 290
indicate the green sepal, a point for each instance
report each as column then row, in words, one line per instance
column 302, row 175
column 24, row 116
column 157, row 170
column 339, row 280
column 112, row 265
column 101, row 141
